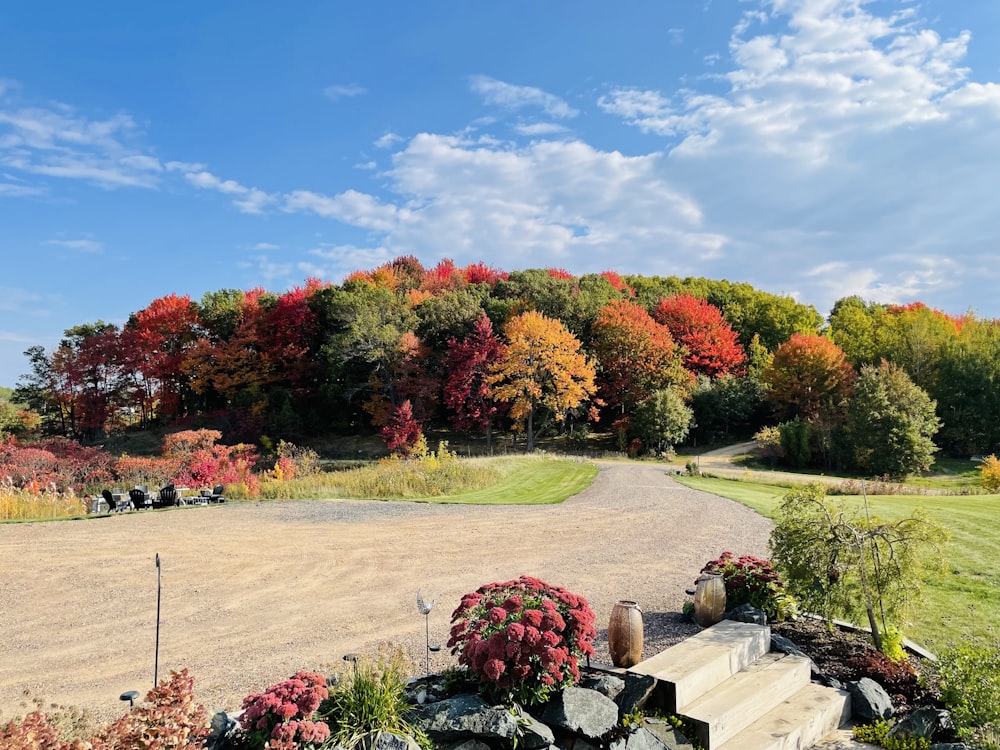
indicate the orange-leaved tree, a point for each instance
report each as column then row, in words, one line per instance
column 636, row 354
column 809, row 377
column 541, row 367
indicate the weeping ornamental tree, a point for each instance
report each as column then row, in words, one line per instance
column 837, row 561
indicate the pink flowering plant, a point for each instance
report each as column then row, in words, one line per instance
column 283, row 716
column 749, row 580
column 522, row 639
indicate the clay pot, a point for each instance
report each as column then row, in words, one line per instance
column 625, row 634
column 709, row 599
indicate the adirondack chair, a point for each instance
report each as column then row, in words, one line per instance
column 168, row 497
column 139, row 498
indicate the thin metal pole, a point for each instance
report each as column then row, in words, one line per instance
column 427, row 641
column 156, row 659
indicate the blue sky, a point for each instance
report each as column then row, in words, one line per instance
column 818, row 148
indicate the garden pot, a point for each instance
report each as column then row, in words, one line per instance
column 709, row 599
column 625, row 634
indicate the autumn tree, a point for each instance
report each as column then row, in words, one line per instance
column 401, row 431
column 163, row 333
column 662, row 419
column 541, row 367
column 808, row 377
column 711, row 344
column 636, row 355
column 467, row 390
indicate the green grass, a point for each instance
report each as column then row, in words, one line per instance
column 962, row 603
column 523, row 480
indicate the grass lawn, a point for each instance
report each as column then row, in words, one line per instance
column 965, row 601
column 530, row 481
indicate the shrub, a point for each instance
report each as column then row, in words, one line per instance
column 970, row 686
column 172, row 721
column 371, row 698
column 899, row 679
column 283, row 716
column 989, row 473
column 796, row 442
column 749, row 580
column 522, row 639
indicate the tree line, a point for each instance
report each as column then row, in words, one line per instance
column 401, row 349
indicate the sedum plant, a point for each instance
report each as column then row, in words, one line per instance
column 522, row 639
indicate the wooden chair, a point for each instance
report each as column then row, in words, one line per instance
column 216, row 496
column 139, row 498
column 168, row 496
column 110, row 500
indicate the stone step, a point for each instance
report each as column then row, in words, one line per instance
column 797, row 723
column 733, row 705
column 697, row 664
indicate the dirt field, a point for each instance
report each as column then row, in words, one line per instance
column 253, row 592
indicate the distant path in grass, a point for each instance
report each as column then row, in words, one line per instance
column 253, row 592
column 720, row 463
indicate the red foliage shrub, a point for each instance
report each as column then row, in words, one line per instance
column 523, row 639
column 402, row 431
column 282, row 717
column 899, row 679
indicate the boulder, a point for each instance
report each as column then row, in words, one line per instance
column 531, row 733
column 582, row 711
column 388, row 741
column 925, row 721
column 470, row 745
column 869, row 701
column 783, row 645
column 747, row 613
column 608, row 685
column 638, row 688
column 464, row 717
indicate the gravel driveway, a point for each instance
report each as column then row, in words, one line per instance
column 253, row 592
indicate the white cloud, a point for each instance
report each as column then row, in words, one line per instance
column 208, row 181
column 510, row 96
column 344, row 91
column 83, row 245
column 389, row 140
column 540, row 129
column 350, row 207
column 265, row 246
column 249, row 200
column 254, row 201
column 56, row 141
column 16, row 190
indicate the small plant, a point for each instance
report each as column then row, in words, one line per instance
column 892, row 645
column 970, row 686
column 989, row 473
column 371, row 698
column 877, row 733
column 749, row 580
column 283, row 716
column 523, row 639
column 899, row 679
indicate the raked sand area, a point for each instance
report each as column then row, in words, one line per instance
column 253, row 592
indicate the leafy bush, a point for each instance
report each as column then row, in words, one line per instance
column 371, row 698
column 796, row 442
column 523, row 639
column 173, row 721
column 989, row 473
column 749, row 580
column 970, row 686
column 898, row 678
column 283, row 716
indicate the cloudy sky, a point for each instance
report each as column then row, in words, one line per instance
column 819, row 148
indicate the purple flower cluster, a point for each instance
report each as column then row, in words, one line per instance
column 523, row 639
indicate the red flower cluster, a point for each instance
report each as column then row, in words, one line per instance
column 523, row 639
column 749, row 580
column 281, row 717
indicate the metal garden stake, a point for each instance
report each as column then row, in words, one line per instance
column 156, row 658
column 425, row 609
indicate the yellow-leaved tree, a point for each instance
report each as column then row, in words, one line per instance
column 541, row 367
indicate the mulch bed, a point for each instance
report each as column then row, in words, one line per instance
column 849, row 655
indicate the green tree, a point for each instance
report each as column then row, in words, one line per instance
column 663, row 419
column 841, row 562
column 890, row 423
column 967, row 390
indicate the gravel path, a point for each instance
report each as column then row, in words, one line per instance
column 252, row 592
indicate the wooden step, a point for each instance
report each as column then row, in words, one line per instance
column 733, row 705
column 797, row 723
column 697, row 664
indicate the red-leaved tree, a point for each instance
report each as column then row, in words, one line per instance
column 402, row 431
column 467, row 390
column 713, row 347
